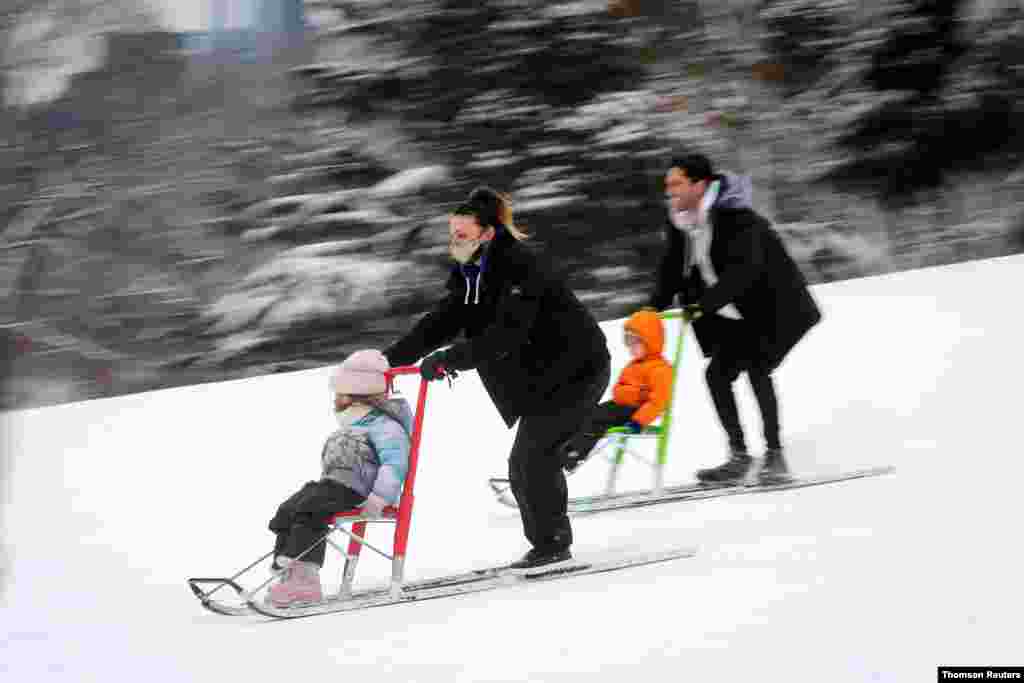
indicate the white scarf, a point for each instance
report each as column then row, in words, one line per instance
column 352, row 414
column 696, row 226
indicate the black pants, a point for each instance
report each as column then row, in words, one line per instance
column 535, row 466
column 302, row 519
column 725, row 367
column 605, row 416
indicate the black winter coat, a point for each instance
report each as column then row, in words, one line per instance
column 755, row 273
column 534, row 345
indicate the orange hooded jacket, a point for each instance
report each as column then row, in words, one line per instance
column 645, row 383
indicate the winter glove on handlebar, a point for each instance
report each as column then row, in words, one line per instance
column 433, row 367
column 692, row 312
column 634, row 427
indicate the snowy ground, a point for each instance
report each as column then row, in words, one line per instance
column 112, row 503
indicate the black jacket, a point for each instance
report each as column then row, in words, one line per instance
column 533, row 343
column 755, row 273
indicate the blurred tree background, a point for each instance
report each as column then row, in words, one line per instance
column 186, row 207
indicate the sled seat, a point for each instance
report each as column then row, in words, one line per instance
column 649, row 430
column 389, row 512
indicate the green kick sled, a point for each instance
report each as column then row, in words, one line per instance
column 660, row 430
column 620, row 439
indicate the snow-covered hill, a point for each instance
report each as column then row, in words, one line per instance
column 112, row 503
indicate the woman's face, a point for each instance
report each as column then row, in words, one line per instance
column 466, row 238
column 462, row 228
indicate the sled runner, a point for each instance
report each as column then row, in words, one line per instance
column 474, row 581
column 675, row 494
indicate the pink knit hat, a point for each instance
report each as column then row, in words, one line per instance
column 361, row 374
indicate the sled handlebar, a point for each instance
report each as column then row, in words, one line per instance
column 403, row 370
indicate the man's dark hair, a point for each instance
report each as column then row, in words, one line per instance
column 697, row 167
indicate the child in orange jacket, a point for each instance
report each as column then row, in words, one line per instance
column 640, row 395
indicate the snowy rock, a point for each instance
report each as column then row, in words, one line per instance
column 276, row 207
column 231, row 346
column 327, row 224
column 312, row 300
column 546, row 188
column 623, row 134
column 499, row 104
column 316, row 204
column 239, row 310
column 411, row 181
column 297, row 181
column 547, row 150
column 493, row 159
column 569, row 9
column 326, row 155
column 372, row 218
column 301, row 287
column 548, row 203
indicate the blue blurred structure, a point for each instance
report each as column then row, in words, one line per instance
column 283, row 17
column 249, row 29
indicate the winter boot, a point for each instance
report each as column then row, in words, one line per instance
column 536, row 558
column 301, row 584
column 774, row 470
column 734, row 471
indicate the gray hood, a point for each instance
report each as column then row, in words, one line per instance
column 737, row 193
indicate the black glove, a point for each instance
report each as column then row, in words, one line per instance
column 692, row 311
column 433, row 367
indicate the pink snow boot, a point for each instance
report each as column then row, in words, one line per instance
column 301, row 584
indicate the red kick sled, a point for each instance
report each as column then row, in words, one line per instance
column 239, row 600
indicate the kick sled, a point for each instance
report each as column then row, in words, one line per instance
column 618, row 443
column 235, row 596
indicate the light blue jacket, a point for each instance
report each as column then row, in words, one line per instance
column 372, row 454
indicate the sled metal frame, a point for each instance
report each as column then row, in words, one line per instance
column 621, row 437
column 400, row 516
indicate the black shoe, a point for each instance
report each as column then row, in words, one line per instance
column 732, row 472
column 541, row 558
column 774, row 470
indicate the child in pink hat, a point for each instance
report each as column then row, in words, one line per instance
column 363, row 463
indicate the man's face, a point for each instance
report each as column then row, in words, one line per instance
column 684, row 194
